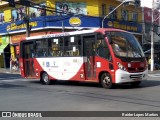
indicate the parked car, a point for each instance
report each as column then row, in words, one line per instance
column 157, row 65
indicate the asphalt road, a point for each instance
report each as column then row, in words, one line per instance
column 18, row 94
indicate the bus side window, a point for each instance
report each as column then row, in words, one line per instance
column 67, row 46
column 39, row 52
column 55, row 47
column 32, row 53
column 72, row 46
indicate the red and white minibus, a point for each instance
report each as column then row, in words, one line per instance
column 106, row 56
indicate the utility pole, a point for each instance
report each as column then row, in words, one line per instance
column 26, row 20
column 27, row 27
column 62, row 27
column 12, row 3
column 152, row 35
column 152, row 40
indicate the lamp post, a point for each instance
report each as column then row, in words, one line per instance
column 152, row 41
column 124, row 1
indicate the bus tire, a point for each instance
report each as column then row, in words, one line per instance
column 45, row 79
column 135, row 84
column 106, row 81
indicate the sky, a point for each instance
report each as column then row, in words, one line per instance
column 147, row 3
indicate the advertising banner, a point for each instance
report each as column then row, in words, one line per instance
column 18, row 14
column 69, row 21
column 64, row 8
column 36, row 12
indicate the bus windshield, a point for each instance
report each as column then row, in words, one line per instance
column 125, row 45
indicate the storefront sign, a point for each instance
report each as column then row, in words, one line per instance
column 74, row 21
column 124, row 25
column 18, row 38
column 13, row 26
column 4, row 40
column 70, row 21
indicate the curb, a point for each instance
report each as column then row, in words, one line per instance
column 3, row 70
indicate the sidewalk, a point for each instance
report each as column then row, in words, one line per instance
column 7, row 70
column 154, row 72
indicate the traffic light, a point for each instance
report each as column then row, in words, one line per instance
column 11, row 3
column 137, row 3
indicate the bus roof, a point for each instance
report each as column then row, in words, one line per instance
column 102, row 30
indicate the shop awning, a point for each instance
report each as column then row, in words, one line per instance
column 2, row 47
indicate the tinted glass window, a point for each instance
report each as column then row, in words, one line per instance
column 55, row 47
column 41, row 48
column 125, row 45
column 72, row 46
column 102, row 49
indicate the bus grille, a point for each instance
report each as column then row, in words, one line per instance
column 141, row 69
column 135, row 77
column 136, row 69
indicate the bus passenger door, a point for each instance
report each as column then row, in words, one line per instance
column 89, row 54
column 28, row 60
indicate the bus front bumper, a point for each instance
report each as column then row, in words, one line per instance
column 124, row 76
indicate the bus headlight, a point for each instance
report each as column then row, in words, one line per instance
column 120, row 66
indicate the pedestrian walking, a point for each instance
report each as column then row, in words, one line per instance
column 149, row 63
column 11, row 63
column 15, row 64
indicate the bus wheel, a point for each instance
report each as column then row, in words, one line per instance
column 45, row 79
column 135, row 84
column 106, row 81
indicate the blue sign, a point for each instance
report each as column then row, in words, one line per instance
column 56, row 21
column 124, row 25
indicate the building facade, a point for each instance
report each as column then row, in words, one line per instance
column 147, row 24
column 51, row 16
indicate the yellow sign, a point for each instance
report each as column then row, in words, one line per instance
column 118, row 25
column 74, row 21
column 17, row 27
column 7, row 15
column 110, row 24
